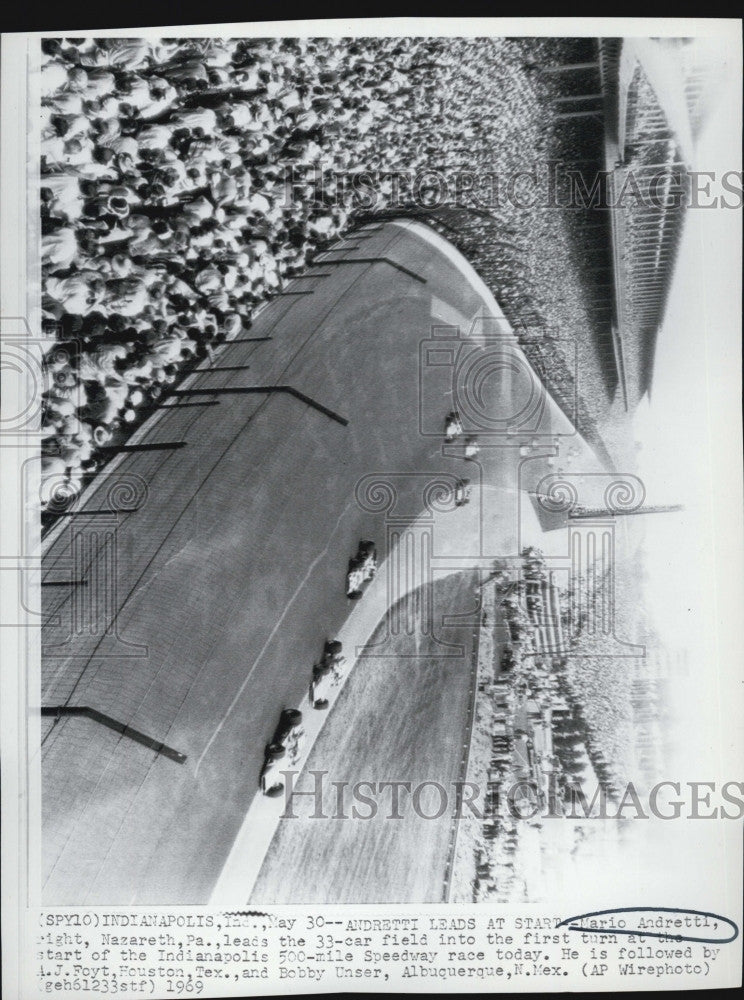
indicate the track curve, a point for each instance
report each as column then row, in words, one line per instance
column 228, row 578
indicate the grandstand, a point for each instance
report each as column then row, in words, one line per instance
column 655, row 105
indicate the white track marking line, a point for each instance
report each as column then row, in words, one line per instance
column 265, row 646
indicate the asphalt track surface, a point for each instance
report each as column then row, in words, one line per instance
column 229, row 576
column 403, row 718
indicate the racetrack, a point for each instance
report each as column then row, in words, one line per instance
column 400, row 718
column 230, row 575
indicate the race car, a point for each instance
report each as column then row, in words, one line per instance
column 321, row 686
column 452, row 426
column 272, row 779
column 333, row 654
column 368, row 554
column 362, row 569
column 355, row 579
column 327, row 674
column 462, row 492
column 471, row 447
column 284, row 749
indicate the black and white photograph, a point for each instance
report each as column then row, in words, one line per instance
column 371, row 445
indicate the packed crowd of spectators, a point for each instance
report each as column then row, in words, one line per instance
column 183, row 181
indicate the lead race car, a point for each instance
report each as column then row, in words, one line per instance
column 284, row 749
column 362, row 569
column 452, row 426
